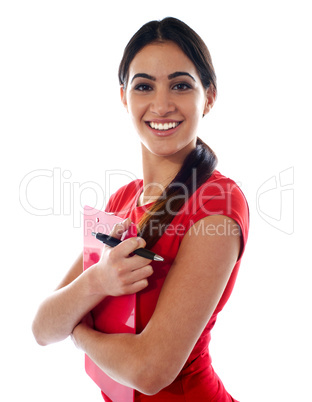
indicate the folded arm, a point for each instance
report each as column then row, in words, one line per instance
column 188, row 298
column 115, row 274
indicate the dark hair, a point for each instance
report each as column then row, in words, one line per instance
column 201, row 160
column 170, row 29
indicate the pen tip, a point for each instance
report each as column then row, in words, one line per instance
column 158, row 258
column 93, row 233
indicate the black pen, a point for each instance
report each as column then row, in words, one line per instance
column 112, row 242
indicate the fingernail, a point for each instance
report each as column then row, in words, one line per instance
column 141, row 241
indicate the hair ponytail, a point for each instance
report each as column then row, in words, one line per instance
column 201, row 162
column 196, row 169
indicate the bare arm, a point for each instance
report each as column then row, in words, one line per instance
column 188, row 298
column 59, row 313
column 115, row 274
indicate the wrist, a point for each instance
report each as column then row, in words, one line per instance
column 83, row 335
column 96, row 281
column 76, row 335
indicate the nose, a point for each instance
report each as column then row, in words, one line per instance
column 162, row 103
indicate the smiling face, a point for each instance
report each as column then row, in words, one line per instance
column 165, row 99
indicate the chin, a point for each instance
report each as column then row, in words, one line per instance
column 166, row 150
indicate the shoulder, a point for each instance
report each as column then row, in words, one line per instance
column 124, row 196
column 218, row 184
column 219, row 195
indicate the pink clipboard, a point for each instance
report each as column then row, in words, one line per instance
column 113, row 314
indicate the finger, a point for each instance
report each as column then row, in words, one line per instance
column 119, row 228
column 128, row 279
column 137, row 286
column 142, row 273
column 126, row 247
column 134, row 262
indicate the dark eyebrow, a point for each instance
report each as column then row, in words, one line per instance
column 143, row 75
column 178, row 74
column 170, row 76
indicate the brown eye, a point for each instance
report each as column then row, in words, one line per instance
column 143, row 87
column 182, row 86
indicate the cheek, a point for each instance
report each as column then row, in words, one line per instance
column 194, row 106
column 200, row 105
column 136, row 107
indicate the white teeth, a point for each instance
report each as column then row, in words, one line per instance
column 162, row 127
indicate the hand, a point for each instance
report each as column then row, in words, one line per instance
column 118, row 273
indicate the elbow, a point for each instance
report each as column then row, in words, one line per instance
column 41, row 342
column 151, row 389
column 152, row 378
column 151, row 385
column 45, row 333
column 37, row 335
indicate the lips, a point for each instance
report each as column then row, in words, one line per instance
column 164, row 127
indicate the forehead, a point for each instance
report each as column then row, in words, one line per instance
column 160, row 60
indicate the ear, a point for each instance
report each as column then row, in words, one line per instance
column 210, row 99
column 123, row 96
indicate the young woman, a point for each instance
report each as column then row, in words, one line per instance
column 186, row 211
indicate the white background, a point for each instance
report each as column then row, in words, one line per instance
column 66, row 140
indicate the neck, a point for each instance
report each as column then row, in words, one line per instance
column 158, row 172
